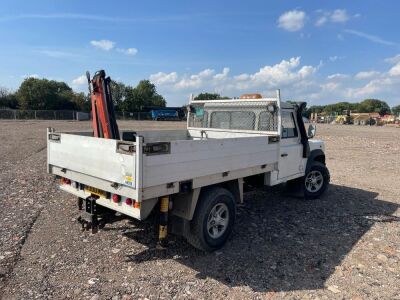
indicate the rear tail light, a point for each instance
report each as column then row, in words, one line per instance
column 128, row 201
column 116, row 198
column 65, row 181
column 136, row 204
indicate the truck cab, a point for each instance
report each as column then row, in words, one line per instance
column 297, row 146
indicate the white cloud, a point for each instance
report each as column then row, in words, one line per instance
column 81, row 80
column 285, row 73
column 385, row 86
column 395, row 71
column 206, row 73
column 339, row 16
column 330, row 86
column 306, row 71
column 223, row 75
column 335, row 16
column 292, row 20
column 105, row 45
column 335, row 58
column 242, row 77
column 163, row 78
column 393, row 60
column 371, row 88
column 321, row 20
column 30, row 76
column 372, row 38
column 128, row 51
column 366, row 75
column 337, row 76
column 195, row 81
column 80, row 83
column 296, row 81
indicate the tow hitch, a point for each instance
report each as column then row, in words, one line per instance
column 93, row 216
column 89, row 217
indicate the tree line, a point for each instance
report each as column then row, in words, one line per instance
column 365, row 106
column 44, row 94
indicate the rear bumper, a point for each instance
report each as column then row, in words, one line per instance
column 137, row 213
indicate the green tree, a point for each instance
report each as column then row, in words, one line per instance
column 396, row 110
column 374, row 105
column 44, row 94
column 340, row 108
column 209, row 96
column 142, row 96
column 313, row 109
column 81, row 101
column 118, row 93
column 7, row 99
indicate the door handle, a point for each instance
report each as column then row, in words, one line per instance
column 284, row 154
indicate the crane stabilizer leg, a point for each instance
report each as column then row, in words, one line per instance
column 103, row 115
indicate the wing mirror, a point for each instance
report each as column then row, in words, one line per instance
column 312, row 129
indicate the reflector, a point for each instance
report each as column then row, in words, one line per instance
column 116, row 198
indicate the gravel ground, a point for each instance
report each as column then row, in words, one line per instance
column 345, row 245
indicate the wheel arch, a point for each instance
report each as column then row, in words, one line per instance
column 315, row 155
column 186, row 204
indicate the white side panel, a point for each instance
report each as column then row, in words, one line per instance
column 92, row 156
column 195, row 158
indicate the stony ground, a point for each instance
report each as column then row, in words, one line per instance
column 345, row 245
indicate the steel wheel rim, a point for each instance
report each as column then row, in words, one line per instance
column 217, row 221
column 314, row 181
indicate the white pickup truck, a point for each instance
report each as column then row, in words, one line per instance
column 194, row 177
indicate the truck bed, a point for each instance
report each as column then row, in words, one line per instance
column 132, row 170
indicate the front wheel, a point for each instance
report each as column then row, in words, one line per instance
column 213, row 219
column 315, row 180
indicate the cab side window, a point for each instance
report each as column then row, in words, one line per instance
column 289, row 129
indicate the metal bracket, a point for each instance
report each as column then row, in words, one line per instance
column 55, row 137
column 126, row 147
column 157, row 148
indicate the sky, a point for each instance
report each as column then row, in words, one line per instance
column 315, row 51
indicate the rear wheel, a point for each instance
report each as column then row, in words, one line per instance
column 213, row 219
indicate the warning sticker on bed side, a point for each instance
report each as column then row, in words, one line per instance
column 128, row 180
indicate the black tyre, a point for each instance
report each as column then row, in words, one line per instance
column 213, row 219
column 315, row 180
